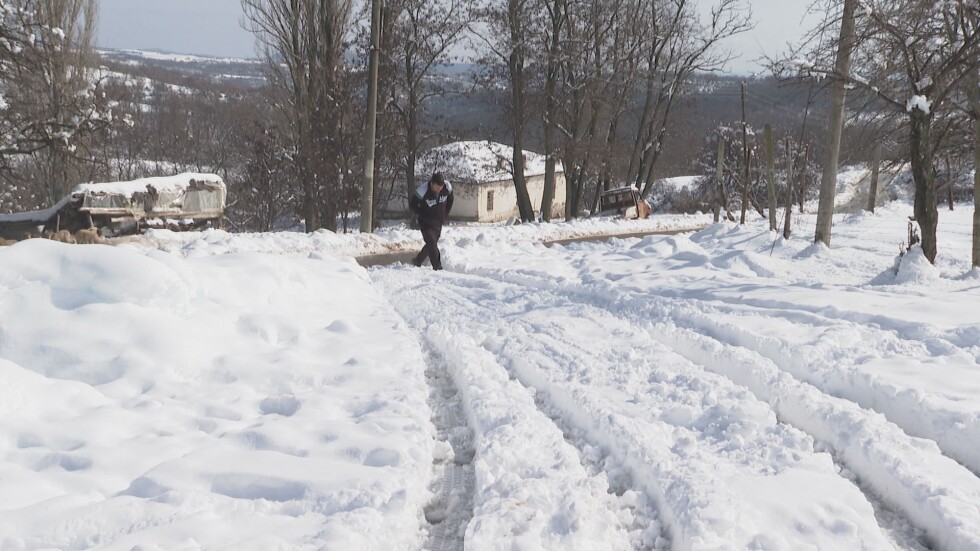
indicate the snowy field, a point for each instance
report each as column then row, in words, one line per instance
column 722, row 389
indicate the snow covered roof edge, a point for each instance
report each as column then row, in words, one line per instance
column 478, row 161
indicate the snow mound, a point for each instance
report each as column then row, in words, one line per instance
column 915, row 269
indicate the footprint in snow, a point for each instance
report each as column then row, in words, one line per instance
column 286, row 405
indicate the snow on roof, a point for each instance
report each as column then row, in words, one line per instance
column 160, row 183
column 178, row 182
column 477, row 161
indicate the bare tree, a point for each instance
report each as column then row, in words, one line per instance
column 598, row 73
column 421, row 38
column 680, row 45
column 51, row 97
column 510, row 24
column 914, row 56
column 624, row 66
column 551, row 43
column 303, row 42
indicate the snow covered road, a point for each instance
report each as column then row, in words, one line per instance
column 748, row 411
column 714, row 460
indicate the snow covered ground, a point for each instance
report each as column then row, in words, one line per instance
column 722, row 389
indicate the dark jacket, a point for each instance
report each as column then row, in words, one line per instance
column 432, row 208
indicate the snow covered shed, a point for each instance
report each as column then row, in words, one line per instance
column 178, row 202
column 483, row 185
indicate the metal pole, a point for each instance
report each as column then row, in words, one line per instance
column 370, row 132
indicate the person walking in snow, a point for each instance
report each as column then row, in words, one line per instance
column 432, row 203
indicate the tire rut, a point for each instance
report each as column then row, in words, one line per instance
column 895, row 520
column 643, row 525
column 910, row 409
column 453, row 481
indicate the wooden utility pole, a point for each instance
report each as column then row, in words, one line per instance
column 788, row 221
column 838, row 93
column 370, row 130
column 806, row 162
column 771, row 160
column 745, row 159
column 804, row 176
column 720, row 180
column 875, row 171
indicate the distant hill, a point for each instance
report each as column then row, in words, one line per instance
column 234, row 71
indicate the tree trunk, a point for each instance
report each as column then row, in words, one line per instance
column 975, row 107
column 804, row 174
column 548, row 197
column 838, row 93
column 305, row 174
column 551, row 111
column 788, row 221
column 926, row 212
column 875, row 171
column 515, row 64
column 413, row 141
column 745, row 160
column 949, row 182
column 720, row 181
column 771, row 160
column 642, row 143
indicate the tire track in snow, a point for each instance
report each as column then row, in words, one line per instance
column 695, row 442
column 935, row 493
column 451, row 506
column 834, row 366
column 645, row 530
column 531, row 489
column 831, row 346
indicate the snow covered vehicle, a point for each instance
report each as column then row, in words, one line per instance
column 184, row 201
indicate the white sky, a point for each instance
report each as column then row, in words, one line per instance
column 213, row 27
column 203, row 27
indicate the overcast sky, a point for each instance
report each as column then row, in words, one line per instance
column 213, row 27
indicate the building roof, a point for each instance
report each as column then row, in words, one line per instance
column 477, row 162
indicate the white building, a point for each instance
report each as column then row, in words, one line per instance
column 483, row 185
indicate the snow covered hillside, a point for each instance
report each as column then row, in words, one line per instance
column 721, row 389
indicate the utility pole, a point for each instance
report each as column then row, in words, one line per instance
column 371, row 127
column 838, row 92
column 790, row 168
column 771, row 178
column 720, row 199
column 745, row 157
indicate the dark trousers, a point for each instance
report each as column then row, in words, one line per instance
column 431, row 249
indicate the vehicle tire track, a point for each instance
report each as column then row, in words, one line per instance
column 643, row 525
column 912, row 476
column 538, row 487
column 830, row 365
column 453, row 481
column 836, row 367
column 662, row 448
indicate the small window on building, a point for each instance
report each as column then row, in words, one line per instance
column 490, row 201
